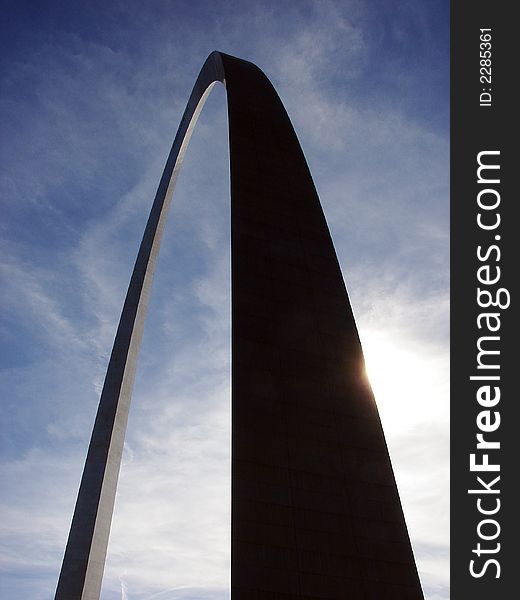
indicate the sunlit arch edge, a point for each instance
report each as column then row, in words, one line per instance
column 83, row 563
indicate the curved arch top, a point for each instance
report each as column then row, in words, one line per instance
column 315, row 506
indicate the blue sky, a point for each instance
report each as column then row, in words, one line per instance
column 91, row 96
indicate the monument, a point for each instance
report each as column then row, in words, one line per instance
column 315, row 510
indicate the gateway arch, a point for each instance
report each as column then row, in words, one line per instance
column 315, row 510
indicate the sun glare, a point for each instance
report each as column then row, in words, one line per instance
column 401, row 377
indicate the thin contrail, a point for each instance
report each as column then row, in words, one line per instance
column 124, row 589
